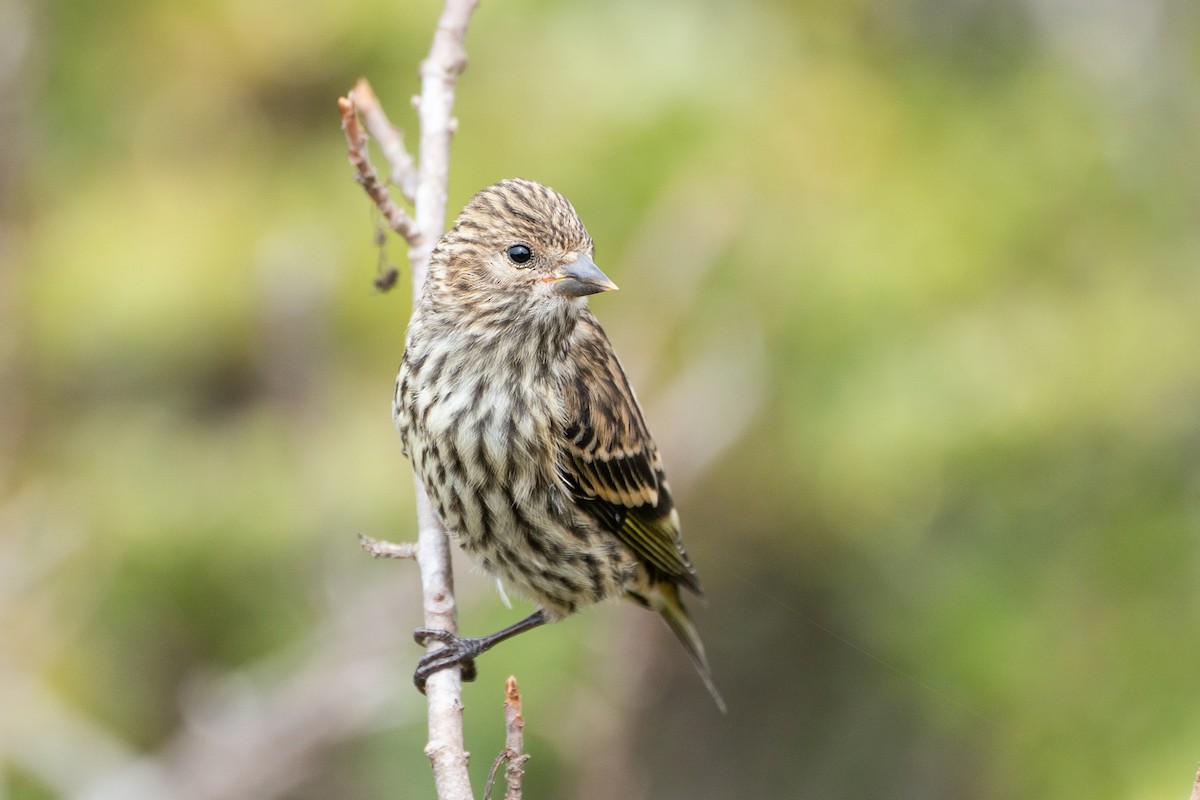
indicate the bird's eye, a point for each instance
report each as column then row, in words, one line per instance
column 519, row 254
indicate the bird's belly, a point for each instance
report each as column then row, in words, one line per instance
column 539, row 551
column 494, row 485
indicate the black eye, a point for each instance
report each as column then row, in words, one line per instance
column 519, row 254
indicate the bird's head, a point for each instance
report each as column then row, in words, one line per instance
column 519, row 239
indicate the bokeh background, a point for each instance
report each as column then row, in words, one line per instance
column 910, row 289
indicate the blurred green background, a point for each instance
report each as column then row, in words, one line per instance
column 910, row 291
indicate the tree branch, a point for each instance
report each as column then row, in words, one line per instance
column 439, row 71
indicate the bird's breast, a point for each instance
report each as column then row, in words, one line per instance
column 479, row 426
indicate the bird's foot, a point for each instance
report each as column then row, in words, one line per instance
column 456, row 650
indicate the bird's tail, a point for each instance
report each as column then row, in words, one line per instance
column 665, row 599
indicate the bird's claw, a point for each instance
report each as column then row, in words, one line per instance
column 454, row 650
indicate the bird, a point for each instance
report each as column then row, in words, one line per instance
column 521, row 424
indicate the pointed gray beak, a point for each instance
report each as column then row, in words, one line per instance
column 582, row 277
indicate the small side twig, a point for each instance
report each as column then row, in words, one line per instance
column 397, row 218
column 378, row 548
column 390, row 138
column 514, row 746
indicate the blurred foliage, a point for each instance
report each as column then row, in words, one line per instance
column 954, row 549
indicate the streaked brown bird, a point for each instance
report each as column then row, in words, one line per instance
column 522, row 426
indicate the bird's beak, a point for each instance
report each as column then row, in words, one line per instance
column 581, row 277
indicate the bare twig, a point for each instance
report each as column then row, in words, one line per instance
column 514, row 745
column 514, row 725
column 381, row 549
column 397, row 218
column 390, row 138
column 491, row 779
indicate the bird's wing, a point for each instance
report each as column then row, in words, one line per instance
column 610, row 462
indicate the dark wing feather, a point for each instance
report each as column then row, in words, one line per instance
column 610, row 462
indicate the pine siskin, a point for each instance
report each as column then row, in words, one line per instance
column 522, row 426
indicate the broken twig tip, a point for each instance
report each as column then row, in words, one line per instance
column 381, row 549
